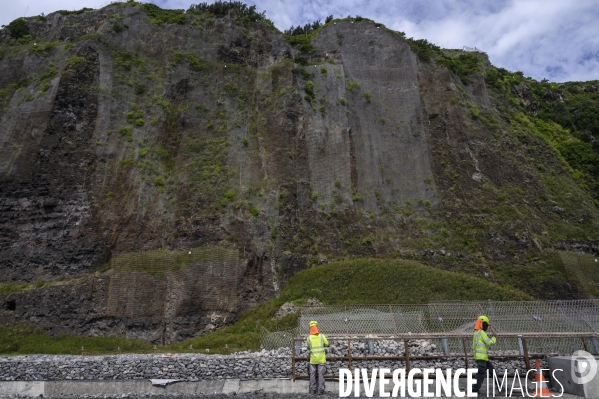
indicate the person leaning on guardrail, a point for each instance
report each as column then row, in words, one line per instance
column 318, row 358
column 480, row 345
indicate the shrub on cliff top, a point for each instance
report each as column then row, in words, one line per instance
column 159, row 15
column 76, row 12
column 221, row 9
column 423, row 48
column 18, row 28
column 464, row 66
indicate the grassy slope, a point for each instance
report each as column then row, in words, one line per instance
column 357, row 281
column 21, row 340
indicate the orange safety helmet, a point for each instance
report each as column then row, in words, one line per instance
column 313, row 327
column 479, row 322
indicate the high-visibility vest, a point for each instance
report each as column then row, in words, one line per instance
column 316, row 345
column 480, row 345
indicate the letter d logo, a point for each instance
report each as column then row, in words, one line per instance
column 584, row 367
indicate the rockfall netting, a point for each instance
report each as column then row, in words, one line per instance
column 548, row 327
column 148, row 283
column 455, row 318
column 277, row 339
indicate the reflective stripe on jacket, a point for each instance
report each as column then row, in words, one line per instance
column 316, row 344
column 480, row 345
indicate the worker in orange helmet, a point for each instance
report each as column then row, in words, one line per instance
column 480, row 345
column 318, row 359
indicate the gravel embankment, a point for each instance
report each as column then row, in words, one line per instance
column 242, row 365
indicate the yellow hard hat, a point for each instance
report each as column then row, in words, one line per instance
column 313, row 323
column 485, row 319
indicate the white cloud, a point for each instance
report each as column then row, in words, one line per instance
column 13, row 9
column 556, row 39
column 533, row 36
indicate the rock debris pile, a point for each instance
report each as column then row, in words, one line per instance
column 241, row 365
column 189, row 367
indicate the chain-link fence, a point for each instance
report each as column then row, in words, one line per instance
column 549, row 327
column 455, row 318
column 278, row 339
column 510, row 354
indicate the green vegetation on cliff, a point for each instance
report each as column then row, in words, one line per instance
column 25, row 340
column 357, row 281
column 160, row 15
column 246, row 14
column 566, row 115
column 18, row 28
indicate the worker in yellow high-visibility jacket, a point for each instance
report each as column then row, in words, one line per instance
column 318, row 359
column 480, row 345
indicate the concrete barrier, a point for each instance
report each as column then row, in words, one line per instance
column 23, row 388
column 120, row 387
column 561, row 370
column 70, row 388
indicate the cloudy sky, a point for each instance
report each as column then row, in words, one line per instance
column 553, row 39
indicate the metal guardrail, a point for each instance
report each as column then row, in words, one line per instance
column 588, row 342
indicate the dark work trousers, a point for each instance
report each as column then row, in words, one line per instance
column 483, row 366
column 314, row 370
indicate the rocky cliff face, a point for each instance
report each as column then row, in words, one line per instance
column 121, row 135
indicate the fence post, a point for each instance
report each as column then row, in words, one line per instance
column 526, row 356
column 520, row 347
column 293, row 360
column 595, row 343
column 445, row 346
column 370, row 347
column 465, row 352
column 349, row 354
column 407, row 354
column 584, row 344
column 393, row 319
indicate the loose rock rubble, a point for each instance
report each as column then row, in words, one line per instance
column 241, row 365
column 189, row 367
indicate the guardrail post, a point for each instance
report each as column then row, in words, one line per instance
column 445, row 346
column 595, row 343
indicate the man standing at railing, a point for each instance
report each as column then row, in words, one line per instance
column 318, row 359
column 480, row 345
